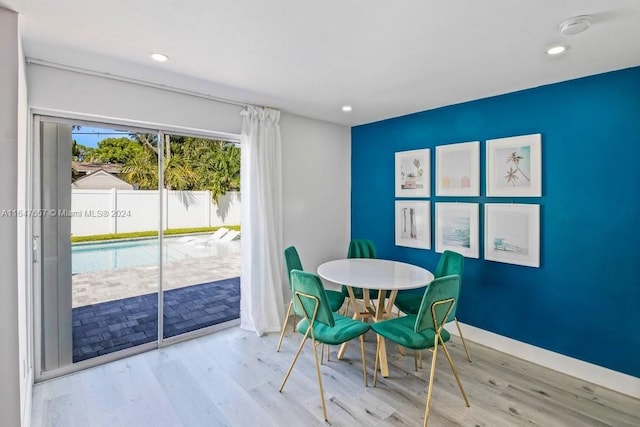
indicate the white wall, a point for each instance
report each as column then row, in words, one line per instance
column 316, row 159
column 70, row 92
column 11, row 87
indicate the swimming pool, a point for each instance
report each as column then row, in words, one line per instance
column 105, row 256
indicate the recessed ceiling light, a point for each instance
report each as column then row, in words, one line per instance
column 346, row 108
column 556, row 50
column 160, row 57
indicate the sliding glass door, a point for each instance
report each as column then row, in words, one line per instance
column 130, row 245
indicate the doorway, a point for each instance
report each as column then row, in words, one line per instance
column 132, row 252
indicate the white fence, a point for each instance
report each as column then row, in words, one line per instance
column 122, row 211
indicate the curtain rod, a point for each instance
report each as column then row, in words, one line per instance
column 132, row 80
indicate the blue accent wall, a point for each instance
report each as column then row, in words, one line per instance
column 584, row 300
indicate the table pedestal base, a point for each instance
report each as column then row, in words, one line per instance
column 380, row 313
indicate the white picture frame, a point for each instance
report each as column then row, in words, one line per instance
column 413, row 223
column 457, row 228
column 413, row 173
column 514, row 166
column 512, row 233
column 458, row 169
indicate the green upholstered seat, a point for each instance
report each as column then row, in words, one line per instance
column 425, row 329
column 319, row 323
column 408, row 301
column 344, row 329
column 402, row 329
column 292, row 262
column 413, row 330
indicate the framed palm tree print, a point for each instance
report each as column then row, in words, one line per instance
column 514, row 166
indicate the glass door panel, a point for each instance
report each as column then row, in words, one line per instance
column 98, row 263
column 115, row 250
column 201, row 240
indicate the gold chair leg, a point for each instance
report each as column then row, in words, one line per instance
column 346, row 307
column 375, row 364
column 284, row 325
column 315, row 355
column 464, row 343
column 420, row 359
column 415, row 359
column 295, row 359
column 321, row 353
column 328, row 353
column 364, row 361
column 455, row 374
column 431, row 377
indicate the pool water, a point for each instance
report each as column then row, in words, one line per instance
column 94, row 257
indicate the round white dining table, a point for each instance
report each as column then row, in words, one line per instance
column 379, row 274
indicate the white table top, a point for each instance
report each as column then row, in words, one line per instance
column 374, row 273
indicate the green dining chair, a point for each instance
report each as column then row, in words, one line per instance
column 425, row 330
column 320, row 323
column 408, row 301
column 361, row 248
column 292, row 262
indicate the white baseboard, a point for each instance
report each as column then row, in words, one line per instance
column 595, row 374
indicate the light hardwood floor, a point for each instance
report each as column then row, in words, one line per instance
column 231, row 378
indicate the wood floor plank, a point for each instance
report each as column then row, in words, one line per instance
column 561, row 390
column 189, row 401
column 232, row 400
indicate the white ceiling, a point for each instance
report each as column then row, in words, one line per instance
column 385, row 58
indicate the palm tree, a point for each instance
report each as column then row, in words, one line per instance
column 190, row 164
column 141, row 171
column 512, row 176
column 515, row 159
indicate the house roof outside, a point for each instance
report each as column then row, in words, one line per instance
column 83, row 168
column 101, row 180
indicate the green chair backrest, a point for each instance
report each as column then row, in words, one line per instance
column 450, row 263
column 361, row 248
column 292, row 262
column 308, row 293
column 440, row 289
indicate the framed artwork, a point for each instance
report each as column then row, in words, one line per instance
column 413, row 224
column 458, row 169
column 457, row 228
column 512, row 233
column 514, row 166
column 412, row 170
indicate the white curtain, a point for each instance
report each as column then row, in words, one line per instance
column 261, row 281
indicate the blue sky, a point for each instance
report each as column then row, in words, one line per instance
column 90, row 136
